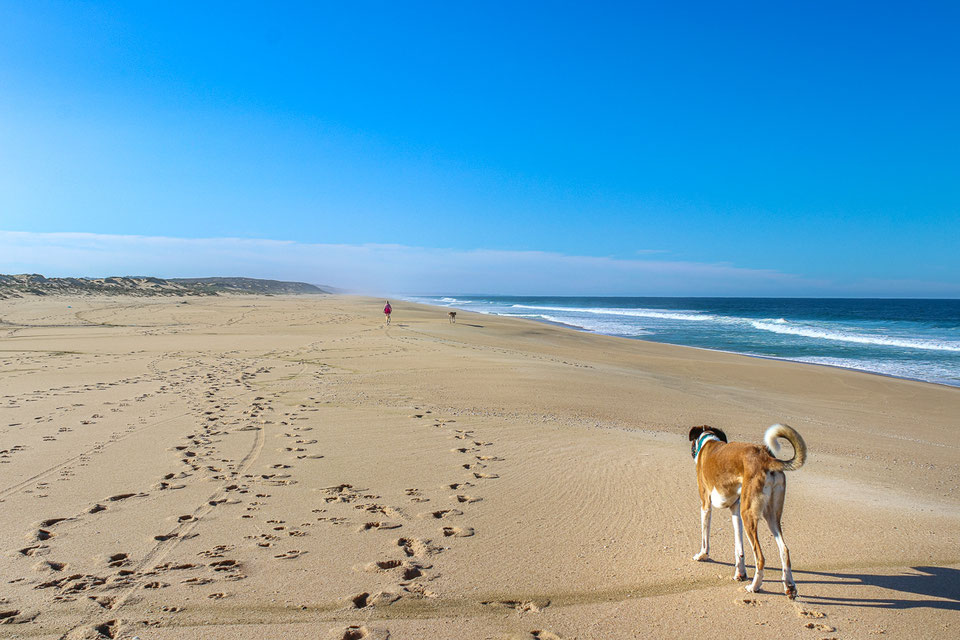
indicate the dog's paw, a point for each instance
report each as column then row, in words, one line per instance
column 790, row 591
column 740, row 577
column 752, row 588
column 702, row 556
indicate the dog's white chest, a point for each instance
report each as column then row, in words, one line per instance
column 722, row 501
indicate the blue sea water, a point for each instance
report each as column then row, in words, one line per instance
column 918, row 339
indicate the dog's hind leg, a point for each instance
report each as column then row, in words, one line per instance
column 704, row 533
column 739, row 567
column 773, row 513
column 789, row 586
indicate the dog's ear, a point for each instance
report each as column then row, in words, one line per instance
column 696, row 431
column 719, row 434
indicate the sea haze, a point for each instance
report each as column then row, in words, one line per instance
column 917, row 339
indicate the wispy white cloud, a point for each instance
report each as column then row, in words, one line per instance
column 384, row 268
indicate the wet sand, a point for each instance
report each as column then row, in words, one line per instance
column 262, row 467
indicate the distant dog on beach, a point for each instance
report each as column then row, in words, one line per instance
column 749, row 480
column 452, row 315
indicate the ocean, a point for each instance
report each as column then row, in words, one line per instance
column 916, row 339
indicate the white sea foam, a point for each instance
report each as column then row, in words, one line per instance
column 633, row 313
column 548, row 318
column 598, row 326
column 843, row 336
column 930, row 371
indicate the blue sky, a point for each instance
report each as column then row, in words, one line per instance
column 692, row 149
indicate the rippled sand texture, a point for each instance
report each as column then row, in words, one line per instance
column 263, row 467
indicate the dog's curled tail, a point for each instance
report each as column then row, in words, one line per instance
column 790, row 435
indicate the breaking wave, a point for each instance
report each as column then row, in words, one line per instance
column 843, row 336
column 633, row 313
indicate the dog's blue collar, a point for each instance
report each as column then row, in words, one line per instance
column 702, row 440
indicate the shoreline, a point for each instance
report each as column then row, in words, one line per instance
column 674, row 344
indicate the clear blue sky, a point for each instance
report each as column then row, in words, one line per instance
column 819, row 140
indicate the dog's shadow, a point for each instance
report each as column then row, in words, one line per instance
column 942, row 583
column 939, row 587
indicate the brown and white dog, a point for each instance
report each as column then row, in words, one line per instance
column 452, row 315
column 748, row 479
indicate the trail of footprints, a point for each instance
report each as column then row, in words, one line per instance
column 174, row 381
column 295, row 443
column 811, row 619
column 405, row 569
column 119, row 573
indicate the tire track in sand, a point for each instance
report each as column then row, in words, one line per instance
column 4, row 493
column 172, row 538
column 170, row 541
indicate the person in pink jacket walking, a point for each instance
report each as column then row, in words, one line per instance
column 387, row 310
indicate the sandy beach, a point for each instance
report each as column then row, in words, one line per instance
column 288, row 467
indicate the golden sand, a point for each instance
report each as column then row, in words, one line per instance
column 288, row 467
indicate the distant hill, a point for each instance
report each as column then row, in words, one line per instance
column 250, row 285
column 15, row 286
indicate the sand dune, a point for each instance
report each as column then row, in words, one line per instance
column 259, row 467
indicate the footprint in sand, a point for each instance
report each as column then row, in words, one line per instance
column 124, row 496
column 442, row 513
column 418, row 591
column 290, row 555
column 359, row 632
column 458, row 532
column 520, row 606
column 411, row 572
column 360, row 600
column 382, row 565
column 390, row 512
column 379, row 599
column 225, row 565
column 162, row 486
column 35, row 550
column 118, row 560
column 156, row 585
column 415, row 495
column 368, row 526
column 416, row 548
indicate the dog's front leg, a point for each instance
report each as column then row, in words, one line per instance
column 740, row 569
column 704, row 533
